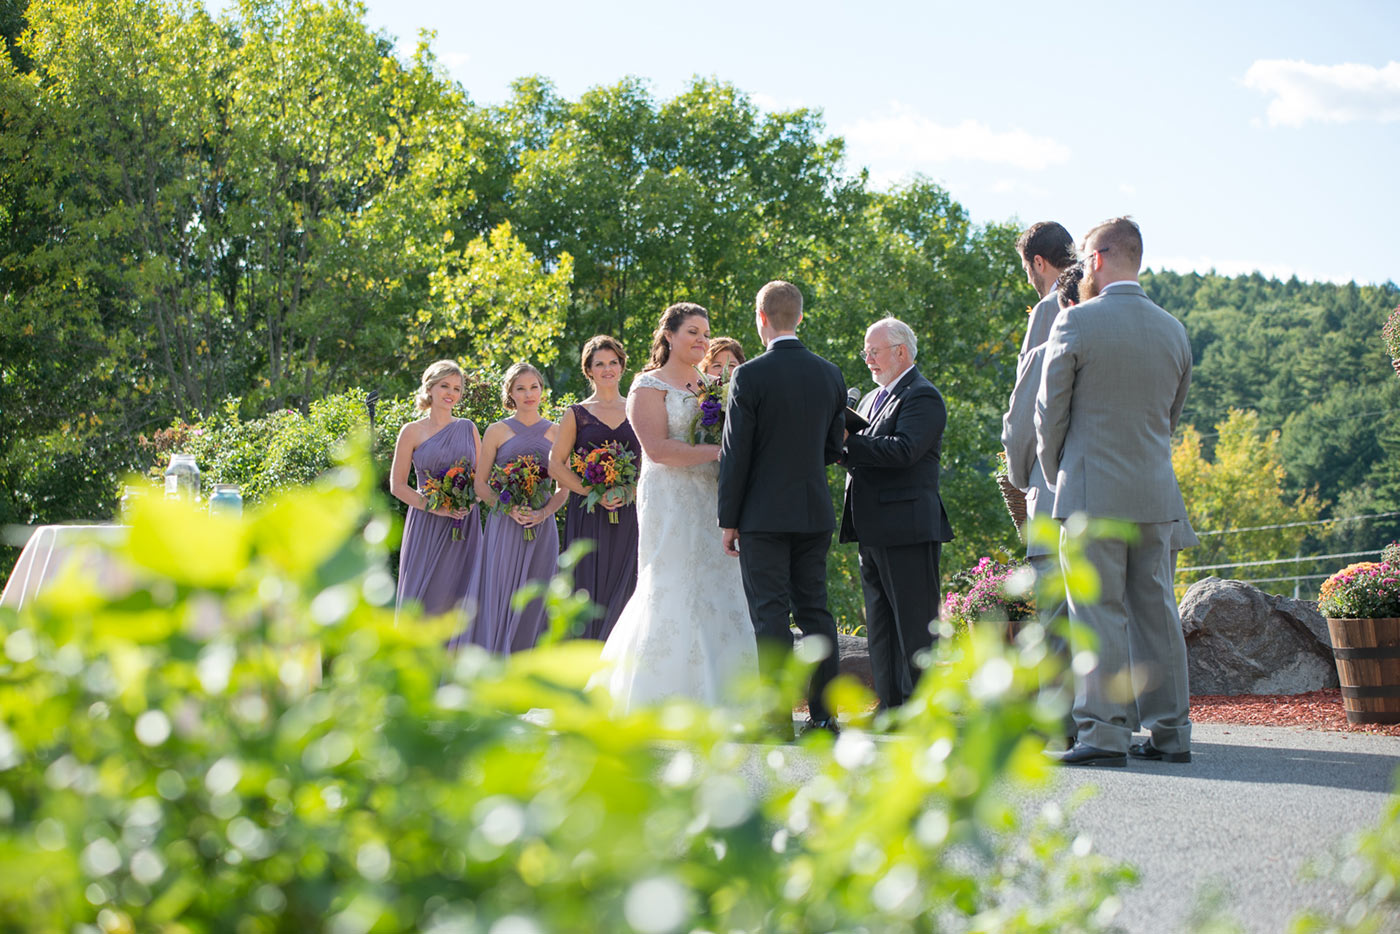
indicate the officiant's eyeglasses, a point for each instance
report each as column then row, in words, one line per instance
column 871, row 352
column 1088, row 257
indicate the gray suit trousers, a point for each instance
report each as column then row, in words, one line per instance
column 1141, row 650
column 1051, row 606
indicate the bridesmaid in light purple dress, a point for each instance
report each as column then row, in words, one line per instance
column 510, row 562
column 608, row 573
column 436, row 572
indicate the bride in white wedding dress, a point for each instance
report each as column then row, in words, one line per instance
column 686, row 631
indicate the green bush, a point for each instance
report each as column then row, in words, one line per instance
column 287, row 449
column 173, row 758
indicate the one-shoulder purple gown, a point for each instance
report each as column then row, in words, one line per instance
column 509, row 562
column 434, row 571
column 609, row 572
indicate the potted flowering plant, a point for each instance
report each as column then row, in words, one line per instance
column 1362, row 606
column 989, row 592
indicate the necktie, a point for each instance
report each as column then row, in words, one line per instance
column 880, row 398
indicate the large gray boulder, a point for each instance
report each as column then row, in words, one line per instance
column 1240, row 640
column 854, row 657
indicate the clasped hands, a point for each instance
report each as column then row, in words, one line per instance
column 529, row 518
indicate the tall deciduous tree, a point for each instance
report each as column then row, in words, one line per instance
column 1242, row 487
column 267, row 205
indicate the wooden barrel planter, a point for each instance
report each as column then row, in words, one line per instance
column 1368, row 667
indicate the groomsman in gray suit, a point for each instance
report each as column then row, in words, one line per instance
column 1046, row 250
column 1113, row 385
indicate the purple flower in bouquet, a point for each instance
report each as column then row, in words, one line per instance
column 708, row 424
column 710, row 411
column 504, row 498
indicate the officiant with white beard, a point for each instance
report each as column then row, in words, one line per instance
column 893, row 509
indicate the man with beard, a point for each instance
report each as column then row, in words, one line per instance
column 1113, row 385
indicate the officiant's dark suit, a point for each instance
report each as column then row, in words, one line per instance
column 893, row 510
column 784, row 425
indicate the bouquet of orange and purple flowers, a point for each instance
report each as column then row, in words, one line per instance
column 707, row 427
column 453, row 488
column 609, row 469
column 519, row 482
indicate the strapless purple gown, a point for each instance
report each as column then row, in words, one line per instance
column 509, row 562
column 434, row 571
column 609, row 572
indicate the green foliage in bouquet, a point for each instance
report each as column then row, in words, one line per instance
column 239, row 738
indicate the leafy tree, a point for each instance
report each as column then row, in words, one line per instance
column 1241, row 488
column 266, row 206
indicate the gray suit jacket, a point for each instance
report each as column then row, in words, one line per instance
column 1018, row 424
column 1042, row 318
column 1112, row 387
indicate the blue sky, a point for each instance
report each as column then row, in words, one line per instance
column 1241, row 135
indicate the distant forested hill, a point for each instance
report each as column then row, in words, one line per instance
column 1308, row 357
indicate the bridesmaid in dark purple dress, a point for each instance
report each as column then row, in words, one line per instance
column 609, row 572
column 510, row 562
column 435, row 571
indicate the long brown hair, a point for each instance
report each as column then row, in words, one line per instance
column 671, row 320
column 600, row 342
column 719, row 345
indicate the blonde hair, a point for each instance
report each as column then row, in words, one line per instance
column 514, row 373
column 431, row 375
column 781, row 304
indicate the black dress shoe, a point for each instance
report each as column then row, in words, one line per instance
column 1145, row 750
column 1084, row 754
column 829, row 724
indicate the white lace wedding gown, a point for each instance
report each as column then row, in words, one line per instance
column 686, row 630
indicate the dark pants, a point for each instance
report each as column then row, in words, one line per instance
column 785, row 572
column 901, row 604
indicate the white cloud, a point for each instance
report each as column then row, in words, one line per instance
column 1302, row 91
column 903, row 141
column 455, row 60
column 1127, row 188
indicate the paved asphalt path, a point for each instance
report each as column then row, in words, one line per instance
column 1240, row 822
column 1244, row 817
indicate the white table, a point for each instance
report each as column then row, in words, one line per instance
column 50, row 548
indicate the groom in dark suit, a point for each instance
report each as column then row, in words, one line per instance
column 893, row 508
column 784, row 425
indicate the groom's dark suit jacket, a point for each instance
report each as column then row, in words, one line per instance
column 892, row 491
column 786, row 415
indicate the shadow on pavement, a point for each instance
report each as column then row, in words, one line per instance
column 1358, row 771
